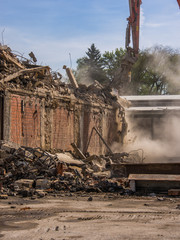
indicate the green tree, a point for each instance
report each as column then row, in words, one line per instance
column 156, row 72
column 112, row 61
column 90, row 67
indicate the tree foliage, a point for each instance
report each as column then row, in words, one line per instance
column 112, row 61
column 91, row 66
column 157, row 70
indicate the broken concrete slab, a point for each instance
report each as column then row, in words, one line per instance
column 105, row 174
column 68, row 160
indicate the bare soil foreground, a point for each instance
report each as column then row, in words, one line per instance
column 101, row 216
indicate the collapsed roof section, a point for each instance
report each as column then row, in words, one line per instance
column 19, row 72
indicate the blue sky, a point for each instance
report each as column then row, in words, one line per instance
column 53, row 29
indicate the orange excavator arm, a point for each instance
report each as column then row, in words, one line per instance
column 133, row 27
column 178, row 2
column 123, row 75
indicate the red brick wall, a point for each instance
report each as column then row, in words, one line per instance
column 25, row 121
column 33, row 124
column 63, row 128
column 16, row 119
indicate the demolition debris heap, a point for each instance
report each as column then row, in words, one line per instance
column 32, row 171
column 45, row 118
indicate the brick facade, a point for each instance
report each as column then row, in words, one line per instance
column 63, row 128
column 34, row 122
column 25, row 121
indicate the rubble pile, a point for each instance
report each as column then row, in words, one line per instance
column 17, row 71
column 96, row 93
column 26, row 171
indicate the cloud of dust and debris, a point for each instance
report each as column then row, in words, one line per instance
column 163, row 141
column 167, row 63
column 83, row 76
column 163, row 145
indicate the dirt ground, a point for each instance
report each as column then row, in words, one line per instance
column 73, row 216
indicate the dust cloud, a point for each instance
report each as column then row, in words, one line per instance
column 166, row 62
column 157, row 138
column 158, row 143
column 83, row 76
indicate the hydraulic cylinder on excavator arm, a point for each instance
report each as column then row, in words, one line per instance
column 178, row 2
column 123, row 75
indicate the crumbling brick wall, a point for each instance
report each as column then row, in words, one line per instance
column 25, row 120
column 63, row 128
column 92, row 118
column 36, row 122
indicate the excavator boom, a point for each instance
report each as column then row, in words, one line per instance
column 123, row 75
column 133, row 26
column 178, row 2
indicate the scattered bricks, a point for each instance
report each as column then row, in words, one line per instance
column 42, row 173
column 174, row 192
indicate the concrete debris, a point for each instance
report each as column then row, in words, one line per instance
column 31, row 54
column 13, row 69
column 68, row 160
column 33, row 171
column 95, row 93
column 71, row 77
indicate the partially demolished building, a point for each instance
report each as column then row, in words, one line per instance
column 43, row 116
column 38, row 110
